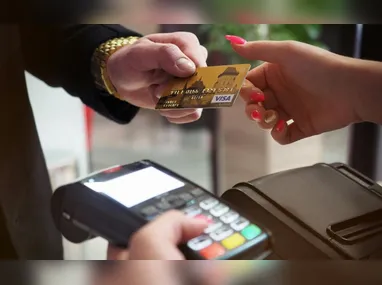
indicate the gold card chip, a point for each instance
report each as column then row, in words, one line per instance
column 209, row 87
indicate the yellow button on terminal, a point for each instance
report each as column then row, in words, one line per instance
column 233, row 241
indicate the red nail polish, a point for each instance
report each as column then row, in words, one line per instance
column 235, row 39
column 257, row 97
column 280, row 126
column 255, row 115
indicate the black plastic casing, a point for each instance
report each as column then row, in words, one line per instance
column 324, row 211
column 81, row 214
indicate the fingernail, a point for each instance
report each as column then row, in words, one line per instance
column 280, row 126
column 269, row 117
column 235, row 39
column 257, row 97
column 185, row 64
column 255, row 115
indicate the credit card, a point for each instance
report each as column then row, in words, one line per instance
column 209, row 87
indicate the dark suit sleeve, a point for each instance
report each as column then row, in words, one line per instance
column 61, row 57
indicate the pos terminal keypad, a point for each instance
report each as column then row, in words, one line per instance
column 227, row 230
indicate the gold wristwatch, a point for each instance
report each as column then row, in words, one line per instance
column 99, row 61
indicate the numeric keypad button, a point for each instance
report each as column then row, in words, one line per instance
column 208, row 204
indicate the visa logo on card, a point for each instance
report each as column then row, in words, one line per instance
column 222, row 98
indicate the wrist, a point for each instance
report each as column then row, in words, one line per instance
column 363, row 84
column 112, row 69
column 100, row 61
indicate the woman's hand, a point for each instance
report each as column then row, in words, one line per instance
column 297, row 82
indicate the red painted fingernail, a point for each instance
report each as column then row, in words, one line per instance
column 257, row 97
column 235, row 39
column 256, row 116
column 280, row 126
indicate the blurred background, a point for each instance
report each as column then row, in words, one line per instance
column 221, row 149
column 193, row 273
column 196, row 11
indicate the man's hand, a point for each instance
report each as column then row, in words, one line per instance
column 140, row 71
column 159, row 239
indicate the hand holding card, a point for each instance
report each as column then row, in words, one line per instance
column 209, row 87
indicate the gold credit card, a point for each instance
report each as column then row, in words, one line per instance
column 209, row 87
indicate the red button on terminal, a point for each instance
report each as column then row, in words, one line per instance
column 213, row 251
column 208, row 219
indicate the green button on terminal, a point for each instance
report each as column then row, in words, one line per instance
column 251, row 232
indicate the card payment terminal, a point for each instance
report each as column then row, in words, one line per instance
column 116, row 202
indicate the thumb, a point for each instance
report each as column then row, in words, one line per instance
column 148, row 56
column 179, row 228
column 269, row 51
column 115, row 253
column 159, row 238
